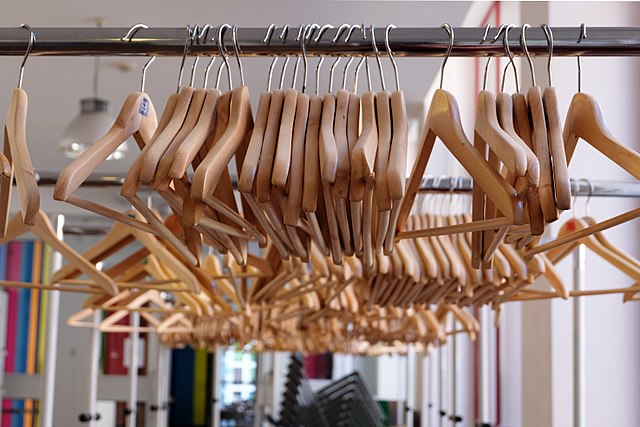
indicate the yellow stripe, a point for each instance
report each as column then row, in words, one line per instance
column 33, row 327
column 44, row 306
column 199, row 387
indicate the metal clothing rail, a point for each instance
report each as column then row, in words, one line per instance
column 600, row 41
column 580, row 187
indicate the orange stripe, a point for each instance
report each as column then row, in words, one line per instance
column 32, row 345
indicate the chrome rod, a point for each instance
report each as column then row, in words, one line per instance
column 602, row 41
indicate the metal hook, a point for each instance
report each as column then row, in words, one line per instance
column 308, row 33
column 346, row 67
column 267, row 41
column 32, row 42
column 486, row 67
column 341, row 29
column 187, row 47
column 586, row 204
column 549, row 35
column 390, row 53
column 317, row 39
column 127, row 38
column 237, row 51
column 210, row 64
column 583, row 35
column 523, row 44
column 300, row 37
column 283, row 37
column 449, row 30
column 222, row 48
column 377, row 52
column 505, row 44
column 365, row 60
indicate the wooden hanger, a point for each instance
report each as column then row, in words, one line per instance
column 343, row 172
column 137, row 118
column 328, row 156
column 382, row 165
column 44, row 231
column 443, row 121
column 363, row 158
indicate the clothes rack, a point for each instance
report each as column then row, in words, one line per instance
column 601, row 41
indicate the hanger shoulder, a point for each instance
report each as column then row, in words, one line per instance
column 499, row 141
column 541, row 148
column 398, row 151
column 562, row 184
column 364, row 152
column 340, row 130
column 282, row 159
column 327, row 144
column 296, row 174
column 161, row 178
column 161, row 141
column 134, row 111
column 252, row 157
column 207, row 175
column 25, row 176
column 189, row 148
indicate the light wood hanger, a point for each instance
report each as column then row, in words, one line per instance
column 382, row 165
column 343, row 172
column 44, row 231
column 363, row 158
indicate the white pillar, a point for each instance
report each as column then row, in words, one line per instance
column 134, row 348
column 4, row 302
column 48, row 375
column 94, row 358
column 579, row 335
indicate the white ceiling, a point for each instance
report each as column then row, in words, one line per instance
column 55, row 85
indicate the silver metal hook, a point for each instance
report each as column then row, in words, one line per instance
column 583, row 35
column 346, row 67
column 267, row 41
column 377, row 52
column 586, row 204
column 523, row 44
column 299, row 37
column 223, row 49
column 341, row 29
column 390, row 53
column 210, row 64
column 486, row 67
column 505, row 44
column 549, row 35
column 449, row 30
column 187, row 46
column 32, row 42
column 308, row 34
column 127, row 38
column 283, row 37
column 363, row 60
column 237, row 51
column 316, row 40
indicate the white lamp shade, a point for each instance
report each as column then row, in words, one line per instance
column 89, row 126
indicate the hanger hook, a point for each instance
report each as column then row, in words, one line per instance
column 32, row 42
column 195, row 38
column 377, row 52
column 222, row 48
column 583, row 35
column 449, row 30
column 283, row 36
column 237, row 51
column 267, row 41
column 317, row 39
column 346, row 67
column 549, row 35
column 486, row 67
column 341, row 29
column 299, row 38
column 187, row 46
column 211, row 61
column 505, row 44
column 586, row 204
column 307, row 35
column 127, row 38
column 523, row 44
column 363, row 60
column 390, row 53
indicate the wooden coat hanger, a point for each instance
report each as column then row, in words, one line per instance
column 343, row 172
column 16, row 153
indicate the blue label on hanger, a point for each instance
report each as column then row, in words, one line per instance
column 144, row 107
